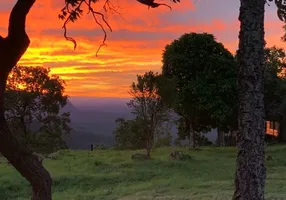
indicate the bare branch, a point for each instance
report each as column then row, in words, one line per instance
column 73, row 9
column 17, row 20
column 73, row 14
column 94, row 14
column 68, row 19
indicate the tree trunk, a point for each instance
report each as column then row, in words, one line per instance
column 220, row 137
column 25, row 131
column 148, row 149
column 194, row 139
column 12, row 146
column 190, row 140
column 250, row 171
column 29, row 166
column 149, row 143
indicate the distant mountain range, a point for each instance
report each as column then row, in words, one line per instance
column 93, row 120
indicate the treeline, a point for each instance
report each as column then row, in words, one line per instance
column 196, row 90
column 197, row 83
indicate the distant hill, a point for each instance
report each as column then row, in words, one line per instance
column 93, row 120
column 114, row 105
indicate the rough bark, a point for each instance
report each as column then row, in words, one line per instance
column 26, row 163
column 194, row 139
column 148, row 150
column 250, row 172
column 12, row 146
column 190, row 140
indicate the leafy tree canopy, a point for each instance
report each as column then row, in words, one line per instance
column 33, row 102
column 275, row 79
column 204, row 74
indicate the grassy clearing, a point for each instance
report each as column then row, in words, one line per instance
column 109, row 174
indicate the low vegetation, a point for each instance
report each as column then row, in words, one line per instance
column 109, row 174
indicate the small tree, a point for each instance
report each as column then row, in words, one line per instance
column 33, row 100
column 129, row 134
column 148, row 107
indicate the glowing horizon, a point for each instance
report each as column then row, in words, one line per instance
column 134, row 47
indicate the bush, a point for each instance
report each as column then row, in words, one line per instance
column 163, row 140
column 101, row 147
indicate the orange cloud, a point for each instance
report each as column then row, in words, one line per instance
column 134, row 46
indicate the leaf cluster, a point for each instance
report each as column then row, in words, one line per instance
column 33, row 103
column 275, row 80
column 202, row 75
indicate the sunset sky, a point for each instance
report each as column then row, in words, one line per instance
column 135, row 45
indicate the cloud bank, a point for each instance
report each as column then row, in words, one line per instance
column 133, row 47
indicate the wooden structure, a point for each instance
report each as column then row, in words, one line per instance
column 275, row 127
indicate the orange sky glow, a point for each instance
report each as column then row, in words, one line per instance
column 135, row 46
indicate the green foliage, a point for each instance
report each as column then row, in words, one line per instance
column 201, row 83
column 110, row 174
column 33, row 100
column 275, row 80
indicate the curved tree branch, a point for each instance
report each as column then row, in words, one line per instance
column 16, row 43
column 17, row 20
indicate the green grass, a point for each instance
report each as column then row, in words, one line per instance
column 110, row 174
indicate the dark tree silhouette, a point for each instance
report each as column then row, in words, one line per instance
column 250, row 172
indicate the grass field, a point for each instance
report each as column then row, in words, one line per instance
column 110, row 174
